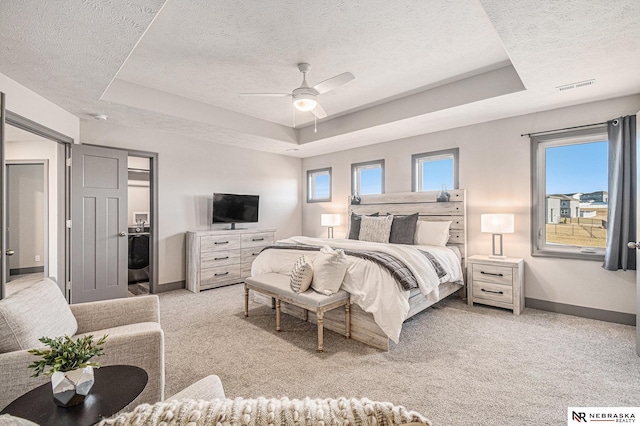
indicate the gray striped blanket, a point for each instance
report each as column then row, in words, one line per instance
column 400, row 272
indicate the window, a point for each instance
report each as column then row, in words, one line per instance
column 431, row 170
column 570, row 194
column 367, row 178
column 319, row 185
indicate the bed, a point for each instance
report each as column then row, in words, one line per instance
column 379, row 303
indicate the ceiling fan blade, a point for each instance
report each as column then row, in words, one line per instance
column 273, row 95
column 333, row 82
column 319, row 112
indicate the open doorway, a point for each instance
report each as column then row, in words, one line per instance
column 139, row 232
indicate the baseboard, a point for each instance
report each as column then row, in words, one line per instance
column 176, row 285
column 29, row 270
column 581, row 311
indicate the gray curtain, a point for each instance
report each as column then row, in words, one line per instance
column 622, row 194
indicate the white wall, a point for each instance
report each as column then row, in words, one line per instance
column 495, row 171
column 139, row 190
column 190, row 171
column 28, row 104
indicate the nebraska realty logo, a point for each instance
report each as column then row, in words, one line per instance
column 582, row 415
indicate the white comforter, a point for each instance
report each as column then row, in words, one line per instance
column 371, row 286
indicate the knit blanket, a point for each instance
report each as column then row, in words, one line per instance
column 268, row 411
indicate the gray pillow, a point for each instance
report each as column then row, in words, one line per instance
column 403, row 229
column 33, row 312
column 354, row 227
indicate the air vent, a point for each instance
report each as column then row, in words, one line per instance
column 576, row 84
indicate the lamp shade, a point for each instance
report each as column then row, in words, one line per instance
column 497, row 223
column 330, row 219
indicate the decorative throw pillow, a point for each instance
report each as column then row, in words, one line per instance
column 329, row 268
column 432, row 233
column 35, row 311
column 301, row 275
column 354, row 226
column 376, row 229
column 403, row 229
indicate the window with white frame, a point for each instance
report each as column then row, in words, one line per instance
column 570, row 193
column 367, row 178
column 432, row 170
column 319, row 185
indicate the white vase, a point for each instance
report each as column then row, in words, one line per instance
column 71, row 387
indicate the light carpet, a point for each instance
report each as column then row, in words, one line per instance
column 455, row 364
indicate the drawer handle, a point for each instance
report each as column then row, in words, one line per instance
column 257, row 239
column 220, row 258
column 491, row 273
column 221, row 242
column 494, row 292
column 254, row 254
column 217, row 275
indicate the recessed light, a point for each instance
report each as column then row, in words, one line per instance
column 100, row 116
column 292, row 149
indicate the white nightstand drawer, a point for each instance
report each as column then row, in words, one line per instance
column 490, row 291
column 493, row 274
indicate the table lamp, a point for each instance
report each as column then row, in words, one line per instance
column 330, row 220
column 497, row 224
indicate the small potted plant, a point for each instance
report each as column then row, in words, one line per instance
column 68, row 362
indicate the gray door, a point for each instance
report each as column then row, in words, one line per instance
column 98, row 223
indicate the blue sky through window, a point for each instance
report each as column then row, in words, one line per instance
column 371, row 181
column 322, row 185
column 577, row 168
column 437, row 173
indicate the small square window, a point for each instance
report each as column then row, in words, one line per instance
column 432, row 170
column 319, row 185
column 367, row 178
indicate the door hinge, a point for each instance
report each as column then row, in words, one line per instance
column 69, row 162
column 67, row 286
column 69, row 224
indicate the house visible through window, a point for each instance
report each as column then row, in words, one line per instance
column 319, row 185
column 367, row 178
column 570, row 195
column 432, row 170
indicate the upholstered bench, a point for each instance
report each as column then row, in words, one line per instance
column 278, row 287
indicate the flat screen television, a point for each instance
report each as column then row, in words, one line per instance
column 235, row 208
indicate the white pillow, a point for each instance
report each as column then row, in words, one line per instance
column 329, row 268
column 301, row 275
column 432, row 233
column 375, row 229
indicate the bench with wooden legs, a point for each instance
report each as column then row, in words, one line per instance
column 278, row 287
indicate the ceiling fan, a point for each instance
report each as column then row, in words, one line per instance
column 305, row 97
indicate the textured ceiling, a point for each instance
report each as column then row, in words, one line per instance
column 420, row 66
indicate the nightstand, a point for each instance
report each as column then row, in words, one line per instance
column 496, row 282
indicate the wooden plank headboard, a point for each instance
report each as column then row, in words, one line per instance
column 425, row 204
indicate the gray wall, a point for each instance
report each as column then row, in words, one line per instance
column 190, row 171
column 495, row 170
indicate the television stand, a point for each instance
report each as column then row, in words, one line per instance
column 233, row 227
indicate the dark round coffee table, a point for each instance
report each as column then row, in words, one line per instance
column 115, row 386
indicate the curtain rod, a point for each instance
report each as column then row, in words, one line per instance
column 566, row 128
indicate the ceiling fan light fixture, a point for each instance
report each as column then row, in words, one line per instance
column 305, row 102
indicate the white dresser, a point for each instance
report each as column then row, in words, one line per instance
column 217, row 258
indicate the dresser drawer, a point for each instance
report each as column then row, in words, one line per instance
column 491, row 291
column 245, row 270
column 219, row 242
column 493, row 274
column 248, row 254
column 258, row 239
column 220, row 274
column 214, row 259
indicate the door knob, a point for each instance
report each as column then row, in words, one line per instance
column 633, row 245
column 10, row 252
column 123, row 234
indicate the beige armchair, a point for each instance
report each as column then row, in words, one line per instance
column 133, row 326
